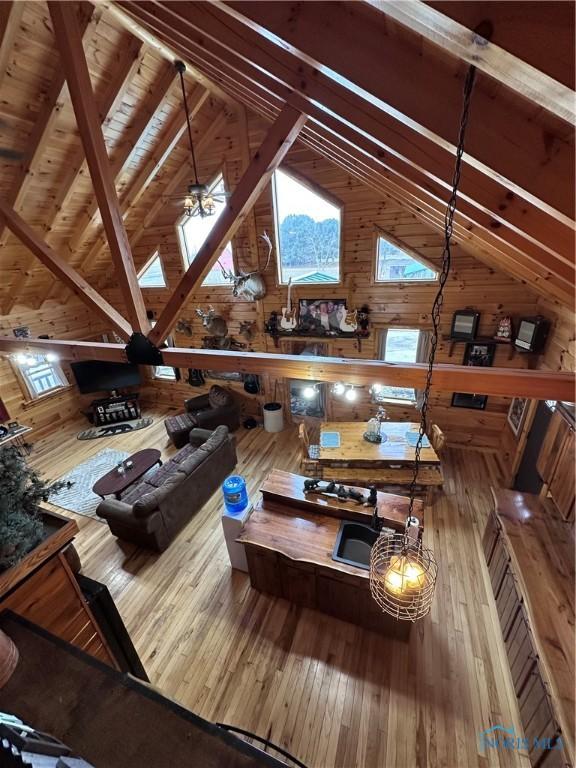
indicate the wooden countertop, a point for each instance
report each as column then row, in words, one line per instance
column 542, row 553
column 304, row 527
column 112, row 720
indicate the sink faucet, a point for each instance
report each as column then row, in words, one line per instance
column 377, row 522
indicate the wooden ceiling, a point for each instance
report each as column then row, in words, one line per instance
column 380, row 82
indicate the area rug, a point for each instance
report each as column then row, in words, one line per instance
column 110, row 430
column 79, row 497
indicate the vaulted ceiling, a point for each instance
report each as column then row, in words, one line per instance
column 380, row 82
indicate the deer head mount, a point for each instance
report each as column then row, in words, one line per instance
column 247, row 329
column 249, row 285
column 184, row 326
column 214, row 324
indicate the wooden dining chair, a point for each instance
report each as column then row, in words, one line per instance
column 310, row 452
column 437, row 438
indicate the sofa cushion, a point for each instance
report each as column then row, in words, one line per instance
column 183, row 453
column 152, row 500
column 135, row 492
column 219, row 397
column 158, row 478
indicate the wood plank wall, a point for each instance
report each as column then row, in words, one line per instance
column 472, row 284
column 46, row 414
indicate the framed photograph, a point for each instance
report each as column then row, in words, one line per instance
column 479, row 354
column 464, row 400
column 464, row 324
column 324, row 315
column 517, row 414
column 22, row 332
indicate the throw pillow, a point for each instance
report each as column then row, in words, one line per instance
column 218, row 397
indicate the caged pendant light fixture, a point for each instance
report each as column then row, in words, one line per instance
column 199, row 199
column 402, row 570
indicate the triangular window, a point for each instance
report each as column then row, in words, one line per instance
column 152, row 276
column 393, row 264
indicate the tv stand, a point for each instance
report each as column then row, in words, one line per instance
column 111, row 410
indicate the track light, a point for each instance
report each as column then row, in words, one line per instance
column 351, row 394
column 309, row 392
column 338, row 388
column 51, row 357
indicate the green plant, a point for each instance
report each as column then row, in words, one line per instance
column 21, row 492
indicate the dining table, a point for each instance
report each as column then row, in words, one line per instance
column 353, row 450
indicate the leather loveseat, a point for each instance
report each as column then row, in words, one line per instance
column 153, row 511
column 207, row 411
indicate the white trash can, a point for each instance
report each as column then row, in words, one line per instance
column 273, row 417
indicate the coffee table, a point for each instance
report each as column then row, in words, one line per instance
column 113, row 484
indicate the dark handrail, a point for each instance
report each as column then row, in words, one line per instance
column 266, row 742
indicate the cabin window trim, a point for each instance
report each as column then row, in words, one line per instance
column 329, row 199
column 155, row 255
column 183, row 244
column 28, row 382
column 411, row 253
column 161, row 372
column 421, row 355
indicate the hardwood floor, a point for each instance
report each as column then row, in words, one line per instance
column 329, row 692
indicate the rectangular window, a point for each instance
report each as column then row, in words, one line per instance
column 41, row 375
column 399, row 345
column 165, row 372
column 307, row 233
column 193, row 231
column 393, row 265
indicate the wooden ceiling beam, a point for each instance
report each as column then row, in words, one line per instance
column 73, row 59
column 211, row 37
column 178, row 180
column 524, row 31
column 73, row 168
column 471, row 47
column 508, row 140
column 280, row 137
column 505, row 382
column 10, row 17
column 64, row 272
column 135, row 132
column 239, row 85
column 40, row 134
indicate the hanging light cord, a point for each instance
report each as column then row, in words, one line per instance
column 444, row 273
column 181, row 70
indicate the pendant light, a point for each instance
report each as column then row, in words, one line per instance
column 402, row 571
column 199, row 199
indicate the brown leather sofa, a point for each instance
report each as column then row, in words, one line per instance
column 152, row 512
column 207, row 411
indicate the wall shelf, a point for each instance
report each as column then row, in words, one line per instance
column 512, row 349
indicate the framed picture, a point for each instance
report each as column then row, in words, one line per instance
column 464, row 400
column 479, row 354
column 22, row 332
column 517, row 414
column 464, row 324
column 324, row 315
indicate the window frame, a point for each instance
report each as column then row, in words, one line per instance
column 411, row 252
column 382, row 338
column 317, row 190
column 183, row 246
column 27, row 386
column 146, row 266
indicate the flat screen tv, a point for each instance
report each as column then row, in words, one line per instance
column 99, row 376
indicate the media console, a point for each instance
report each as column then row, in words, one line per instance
column 112, row 410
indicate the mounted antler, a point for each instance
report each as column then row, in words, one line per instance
column 249, row 285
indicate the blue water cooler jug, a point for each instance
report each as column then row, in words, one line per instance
column 235, row 494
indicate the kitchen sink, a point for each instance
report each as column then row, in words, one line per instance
column 353, row 544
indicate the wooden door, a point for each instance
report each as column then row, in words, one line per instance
column 562, row 486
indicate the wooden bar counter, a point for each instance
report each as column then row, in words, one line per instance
column 289, row 541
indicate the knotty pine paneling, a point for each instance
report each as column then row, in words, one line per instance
column 471, row 284
column 47, row 414
column 560, row 352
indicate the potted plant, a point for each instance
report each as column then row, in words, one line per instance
column 21, row 493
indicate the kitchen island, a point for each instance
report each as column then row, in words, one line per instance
column 290, row 540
